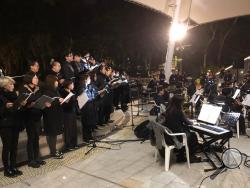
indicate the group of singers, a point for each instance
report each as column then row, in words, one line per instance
column 76, row 75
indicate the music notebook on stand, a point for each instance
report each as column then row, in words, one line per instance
column 209, row 113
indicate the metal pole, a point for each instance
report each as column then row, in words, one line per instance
column 171, row 43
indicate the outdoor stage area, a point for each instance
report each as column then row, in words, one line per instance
column 125, row 165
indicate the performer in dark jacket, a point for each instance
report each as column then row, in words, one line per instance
column 9, row 125
column 53, row 115
column 69, row 115
column 100, row 83
column 67, row 67
column 178, row 123
column 89, row 116
column 33, row 67
column 32, row 119
column 56, row 71
column 160, row 97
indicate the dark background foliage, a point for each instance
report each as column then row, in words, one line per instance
column 133, row 37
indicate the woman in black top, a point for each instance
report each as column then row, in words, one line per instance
column 32, row 119
column 53, row 115
column 9, row 125
column 69, row 114
column 177, row 122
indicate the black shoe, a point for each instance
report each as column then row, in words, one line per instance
column 76, row 147
column 117, row 108
column 9, row 173
column 59, row 152
column 57, row 156
column 70, row 149
column 110, row 121
column 33, row 164
column 181, row 159
column 41, row 162
column 17, row 172
column 195, row 159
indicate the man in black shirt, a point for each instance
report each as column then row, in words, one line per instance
column 67, row 68
column 33, row 68
column 56, row 71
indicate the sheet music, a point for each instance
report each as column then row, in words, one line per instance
column 237, row 92
column 82, row 100
column 209, row 113
column 67, row 97
column 195, row 98
column 246, row 100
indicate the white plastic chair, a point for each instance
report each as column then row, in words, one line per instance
column 159, row 131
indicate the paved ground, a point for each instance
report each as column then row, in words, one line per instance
column 132, row 165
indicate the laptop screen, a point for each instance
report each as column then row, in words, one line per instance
column 209, row 113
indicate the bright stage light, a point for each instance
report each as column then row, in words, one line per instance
column 177, row 31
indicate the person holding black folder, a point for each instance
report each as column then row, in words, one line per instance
column 53, row 115
column 32, row 119
column 69, row 114
column 9, row 125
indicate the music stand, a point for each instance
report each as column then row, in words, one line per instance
column 93, row 146
column 133, row 94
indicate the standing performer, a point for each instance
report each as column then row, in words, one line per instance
column 56, row 71
column 89, row 116
column 67, row 67
column 69, row 116
column 53, row 115
column 33, row 67
column 101, row 83
column 32, row 119
column 9, row 125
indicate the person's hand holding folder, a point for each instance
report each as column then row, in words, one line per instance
column 61, row 100
column 9, row 104
column 47, row 104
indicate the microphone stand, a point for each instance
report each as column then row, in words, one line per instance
column 93, row 145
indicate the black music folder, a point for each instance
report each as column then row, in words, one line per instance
column 40, row 103
column 21, row 98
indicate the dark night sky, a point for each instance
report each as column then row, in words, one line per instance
column 43, row 29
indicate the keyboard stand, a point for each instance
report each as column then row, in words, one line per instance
column 208, row 140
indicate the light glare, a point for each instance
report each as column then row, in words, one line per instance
column 177, row 31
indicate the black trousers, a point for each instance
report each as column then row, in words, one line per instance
column 107, row 106
column 101, row 113
column 33, row 132
column 116, row 98
column 89, row 119
column 51, row 140
column 242, row 125
column 9, row 138
column 70, row 130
